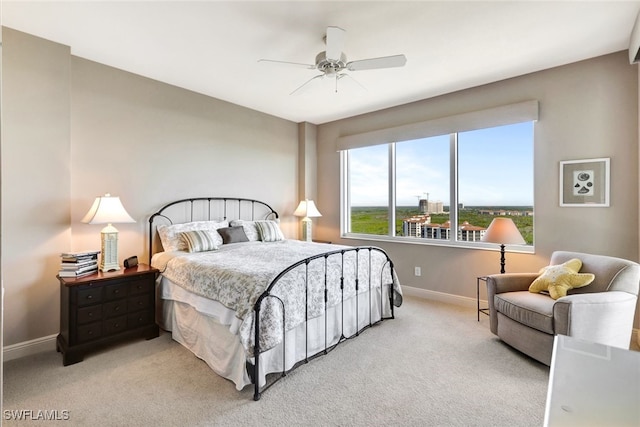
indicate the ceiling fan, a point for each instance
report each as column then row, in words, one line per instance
column 332, row 63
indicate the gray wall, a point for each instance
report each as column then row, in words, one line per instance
column 74, row 129
column 587, row 110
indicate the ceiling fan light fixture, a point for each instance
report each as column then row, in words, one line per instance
column 333, row 61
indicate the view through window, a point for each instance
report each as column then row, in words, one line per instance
column 414, row 184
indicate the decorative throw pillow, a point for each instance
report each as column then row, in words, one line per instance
column 250, row 228
column 558, row 279
column 170, row 234
column 269, row 231
column 199, row 240
column 233, row 234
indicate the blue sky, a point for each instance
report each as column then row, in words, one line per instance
column 495, row 168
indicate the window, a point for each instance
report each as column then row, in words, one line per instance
column 369, row 190
column 414, row 190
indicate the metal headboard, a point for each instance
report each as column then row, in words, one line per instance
column 207, row 209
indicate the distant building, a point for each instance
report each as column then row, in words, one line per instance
column 420, row 226
column 414, row 226
column 470, row 233
column 504, row 212
column 429, row 207
column 437, row 231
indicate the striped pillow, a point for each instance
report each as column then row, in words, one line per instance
column 199, row 240
column 269, row 231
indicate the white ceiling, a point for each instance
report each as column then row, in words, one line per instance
column 213, row 47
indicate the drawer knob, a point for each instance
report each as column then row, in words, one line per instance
column 89, row 296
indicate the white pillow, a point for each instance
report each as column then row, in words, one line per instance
column 269, row 231
column 200, row 240
column 172, row 240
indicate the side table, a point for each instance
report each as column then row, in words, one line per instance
column 105, row 307
column 481, row 310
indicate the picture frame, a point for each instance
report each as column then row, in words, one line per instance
column 585, row 183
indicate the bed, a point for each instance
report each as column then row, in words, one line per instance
column 252, row 304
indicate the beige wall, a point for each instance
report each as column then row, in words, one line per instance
column 587, row 110
column 151, row 143
column 74, row 129
column 35, row 182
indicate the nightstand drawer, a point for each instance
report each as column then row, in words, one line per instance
column 89, row 332
column 115, row 308
column 90, row 295
column 89, row 314
column 115, row 291
column 141, row 318
column 139, row 302
column 140, row 287
column 115, row 325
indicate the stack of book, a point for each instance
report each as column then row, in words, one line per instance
column 78, row 264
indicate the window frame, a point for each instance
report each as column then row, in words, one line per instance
column 452, row 241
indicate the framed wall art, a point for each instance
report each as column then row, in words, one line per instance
column 584, row 183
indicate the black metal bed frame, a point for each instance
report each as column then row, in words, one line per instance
column 269, row 293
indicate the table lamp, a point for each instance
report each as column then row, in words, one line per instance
column 504, row 232
column 308, row 210
column 108, row 210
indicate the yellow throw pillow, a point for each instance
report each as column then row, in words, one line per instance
column 558, row 279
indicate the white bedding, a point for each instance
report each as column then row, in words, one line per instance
column 236, row 275
column 208, row 302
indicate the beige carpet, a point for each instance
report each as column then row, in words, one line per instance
column 434, row 365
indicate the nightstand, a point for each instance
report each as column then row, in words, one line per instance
column 480, row 310
column 105, row 308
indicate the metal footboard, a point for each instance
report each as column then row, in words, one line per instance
column 277, row 288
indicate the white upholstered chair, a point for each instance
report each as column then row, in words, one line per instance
column 601, row 312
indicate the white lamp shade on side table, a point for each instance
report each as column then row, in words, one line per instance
column 307, row 209
column 108, row 210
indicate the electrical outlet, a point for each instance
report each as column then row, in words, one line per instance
column 417, row 271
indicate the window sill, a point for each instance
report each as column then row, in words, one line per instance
column 525, row 249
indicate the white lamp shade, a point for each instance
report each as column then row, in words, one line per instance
column 106, row 210
column 307, row 209
column 504, row 232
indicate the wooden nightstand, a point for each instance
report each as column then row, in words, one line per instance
column 103, row 308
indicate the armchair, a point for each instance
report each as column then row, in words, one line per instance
column 601, row 312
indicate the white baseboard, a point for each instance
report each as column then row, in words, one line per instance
column 28, row 348
column 442, row 297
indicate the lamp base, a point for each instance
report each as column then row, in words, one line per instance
column 306, row 230
column 109, row 257
column 108, row 267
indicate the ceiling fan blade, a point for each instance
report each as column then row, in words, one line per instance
column 335, row 43
column 349, row 78
column 307, row 66
column 374, row 63
column 298, row 90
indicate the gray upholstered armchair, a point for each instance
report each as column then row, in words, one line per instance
column 601, row 312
